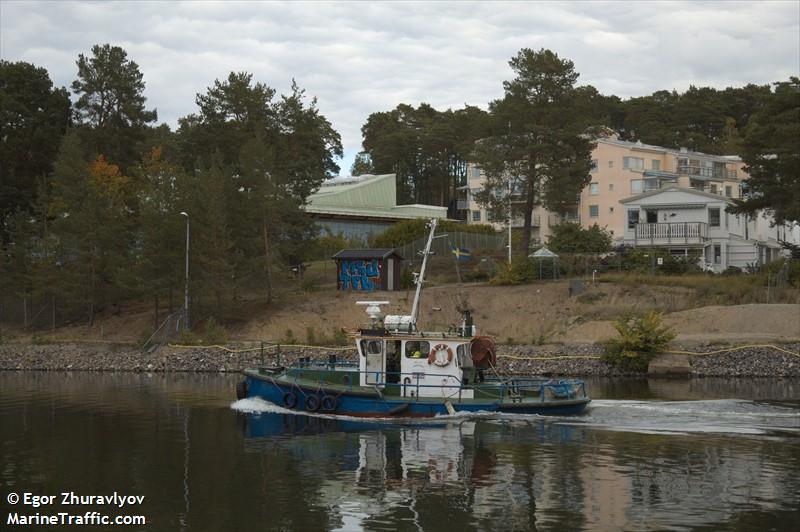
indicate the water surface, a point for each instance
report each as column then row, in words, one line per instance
column 706, row 454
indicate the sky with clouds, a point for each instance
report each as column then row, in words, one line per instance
column 361, row 57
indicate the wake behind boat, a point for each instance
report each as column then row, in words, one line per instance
column 406, row 372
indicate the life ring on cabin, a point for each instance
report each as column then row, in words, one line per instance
column 312, row 403
column 329, row 403
column 289, row 400
column 435, row 359
column 241, row 390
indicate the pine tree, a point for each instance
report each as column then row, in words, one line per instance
column 772, row 157
column 93, row 223
column 540, row 147
column 33, row 116
column 111, row 104
column 160, row 228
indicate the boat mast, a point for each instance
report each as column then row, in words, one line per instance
column 421, row 277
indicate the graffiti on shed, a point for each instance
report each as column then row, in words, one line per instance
column 359, row 274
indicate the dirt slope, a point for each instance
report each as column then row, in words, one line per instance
column 739, row 323
column 535, row 313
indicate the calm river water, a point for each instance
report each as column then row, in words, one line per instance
column 649, row 455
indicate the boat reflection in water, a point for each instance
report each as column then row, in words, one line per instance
column 388, row 471
column 633, row 465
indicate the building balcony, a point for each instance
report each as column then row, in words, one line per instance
column 518, row 223
column 569, row 217
column 660, row 174
column 661, row 234
column 705, row 172
column 462, row 205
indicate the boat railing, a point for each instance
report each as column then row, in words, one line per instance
column 512, row 389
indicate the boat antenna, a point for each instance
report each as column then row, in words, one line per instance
column 421, row 277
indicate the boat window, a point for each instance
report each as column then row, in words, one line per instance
column 464, row 356
column 417, row 349
column 370, row 347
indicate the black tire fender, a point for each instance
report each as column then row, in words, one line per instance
column 241, row 390
column 289, row 400
column 329, row 403
column 312, row 403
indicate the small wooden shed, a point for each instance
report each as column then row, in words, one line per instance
column 368, row 269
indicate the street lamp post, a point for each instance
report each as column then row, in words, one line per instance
column 509, row 219
column 186, row 285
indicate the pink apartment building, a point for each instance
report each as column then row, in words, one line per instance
column 620, row 170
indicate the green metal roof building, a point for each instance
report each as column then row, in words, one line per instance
column 360, row 206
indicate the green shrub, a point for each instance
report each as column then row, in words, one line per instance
column 407, row 278
column 732, row 270
column 406, row 232
column 189, row 338
column 591, row 297
column 311, row 336
column 640, row 339
column 475, row 276
column 520, row 271
column 646, row 260
column 572, row 238
column 326, row 245
column 213, row 332
column 339, row 337
column 309, row 284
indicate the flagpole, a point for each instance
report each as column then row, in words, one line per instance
column 458, row 268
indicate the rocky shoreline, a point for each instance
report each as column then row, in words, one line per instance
column 520, row 359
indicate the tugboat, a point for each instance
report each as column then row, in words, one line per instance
column 403, row 371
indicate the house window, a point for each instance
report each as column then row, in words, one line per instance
column 611, row 164
column 611, row 210
column 633, row 218
column 633, row 163
column 717, row 253
column 611, row 187
column 655, row 164
column 728, row 191
column 593, row 167
column 713, row 188
column 475, row 172
column 476, row 216
column 594, row 211
column 636, row 186
column 594, row 189
column 713, row 217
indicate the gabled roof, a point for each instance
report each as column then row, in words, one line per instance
column 693, row 191
column 372, row 253
column 543, row 253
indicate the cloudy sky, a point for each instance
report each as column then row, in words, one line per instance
column 362, row 57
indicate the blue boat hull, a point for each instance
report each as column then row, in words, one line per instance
column 360, row 403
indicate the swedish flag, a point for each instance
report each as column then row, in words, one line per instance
column 461, row 253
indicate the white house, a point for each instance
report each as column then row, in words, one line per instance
column 691, row 222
